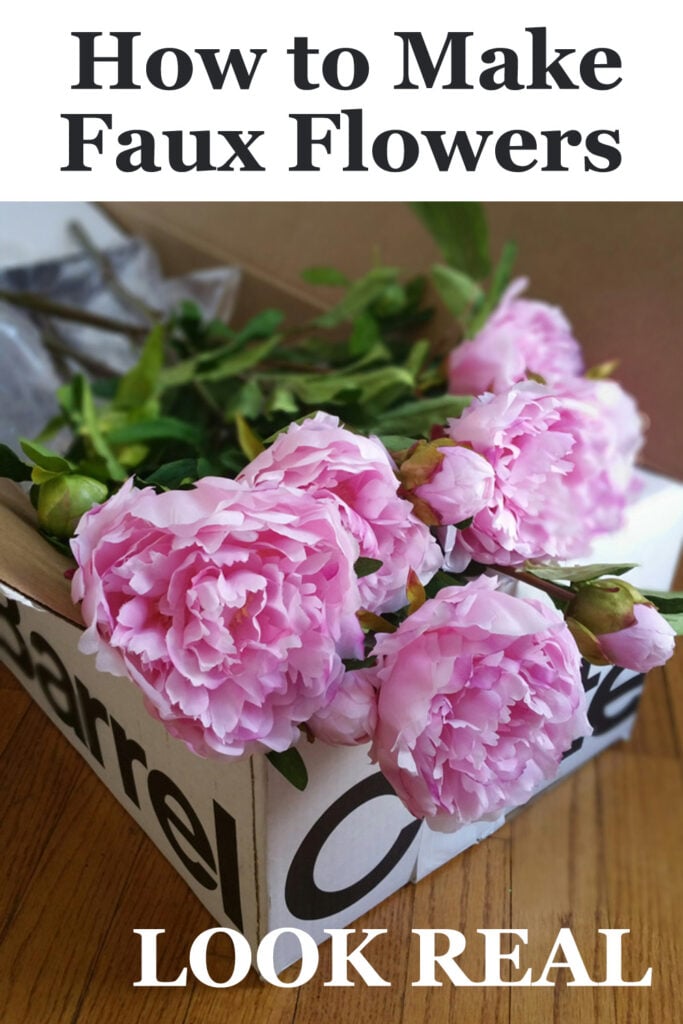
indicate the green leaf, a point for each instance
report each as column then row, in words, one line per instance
column 173, row 474
column 675, row 620
column 366, row 566
column 461, row 232
column 52, row 427
column 418, row 417
column 90, row 429
column 282, row 400
column 44, row 458
column 217, row 365
column 12, row 467
column 189, row 310
column 458, row 291
column 364, row 335
column 250, row 443
column 438, row 582
column 416, row 356
column 353, row 664
column 503, row 273
column 396, row 442
column 360, row 295
column 290, row 763
column 164, row 428
column 391, row 302
column 499, row 282
column 141, row 382
column 667, row 602
column 325, row 276
column 577, row 573
column 262, row 325
column 247, row 400
column 375, row 389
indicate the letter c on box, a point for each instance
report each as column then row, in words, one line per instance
column 303, row 897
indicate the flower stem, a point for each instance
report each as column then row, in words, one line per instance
column 554, row 590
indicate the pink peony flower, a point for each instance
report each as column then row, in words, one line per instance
column 520, row 337
column 321, row 457
column 351, row 716
column 649, row 642
column 230, row 608
column 480, row 694
column 563, row 459
column 460, row 486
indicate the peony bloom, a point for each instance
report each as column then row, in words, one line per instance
column 322, row 458
column 351, row 716
column 520, row 337
column 563, row 460
column 480, row 694
column 646, row 644
column 447, row 483
column 230, row 608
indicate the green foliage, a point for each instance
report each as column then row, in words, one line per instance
column 577, row 573
column 499, row 282
column 290, row 764
column 12, row 467
column 418, row 417
column 366, row 566
column 325, row 276
column 203, row 393
column 668, row 603
column 458, row 291
column 461, row 232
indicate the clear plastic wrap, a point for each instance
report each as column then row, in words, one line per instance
column 36, row 356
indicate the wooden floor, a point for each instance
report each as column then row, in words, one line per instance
column 601, row 850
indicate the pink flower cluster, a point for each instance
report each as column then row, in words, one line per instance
column 234, row 606
column 356, row 472
column 562, row 458
column 521, row 337
column 562, row 447
column 230, row 607
column 479, row 694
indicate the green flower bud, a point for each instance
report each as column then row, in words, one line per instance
column 605, row 606
column 64, row 499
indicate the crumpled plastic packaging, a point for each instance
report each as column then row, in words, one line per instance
column 30, row 371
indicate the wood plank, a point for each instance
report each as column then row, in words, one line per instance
column 54, row 937
column 655, row 729
column 673, row 676
column 7, row 680
column 153, row 896
column 39, row 770
column 14, row 704
column 471, row 892
column 558, row 881
column 642, row 838
column 387, row 954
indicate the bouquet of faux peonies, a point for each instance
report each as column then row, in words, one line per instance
column 344, row 579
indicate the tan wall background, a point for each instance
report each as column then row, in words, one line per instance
column 615, row 268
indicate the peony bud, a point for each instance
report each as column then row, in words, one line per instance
column 613, row 623
column 648, row 643
column 64, row 499
column 351, row 716
column 447, row 483
column 605, row 605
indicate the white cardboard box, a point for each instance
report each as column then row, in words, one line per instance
column 259, row 854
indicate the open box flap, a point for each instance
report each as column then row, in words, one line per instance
column 613, row 267
column 28, row 564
